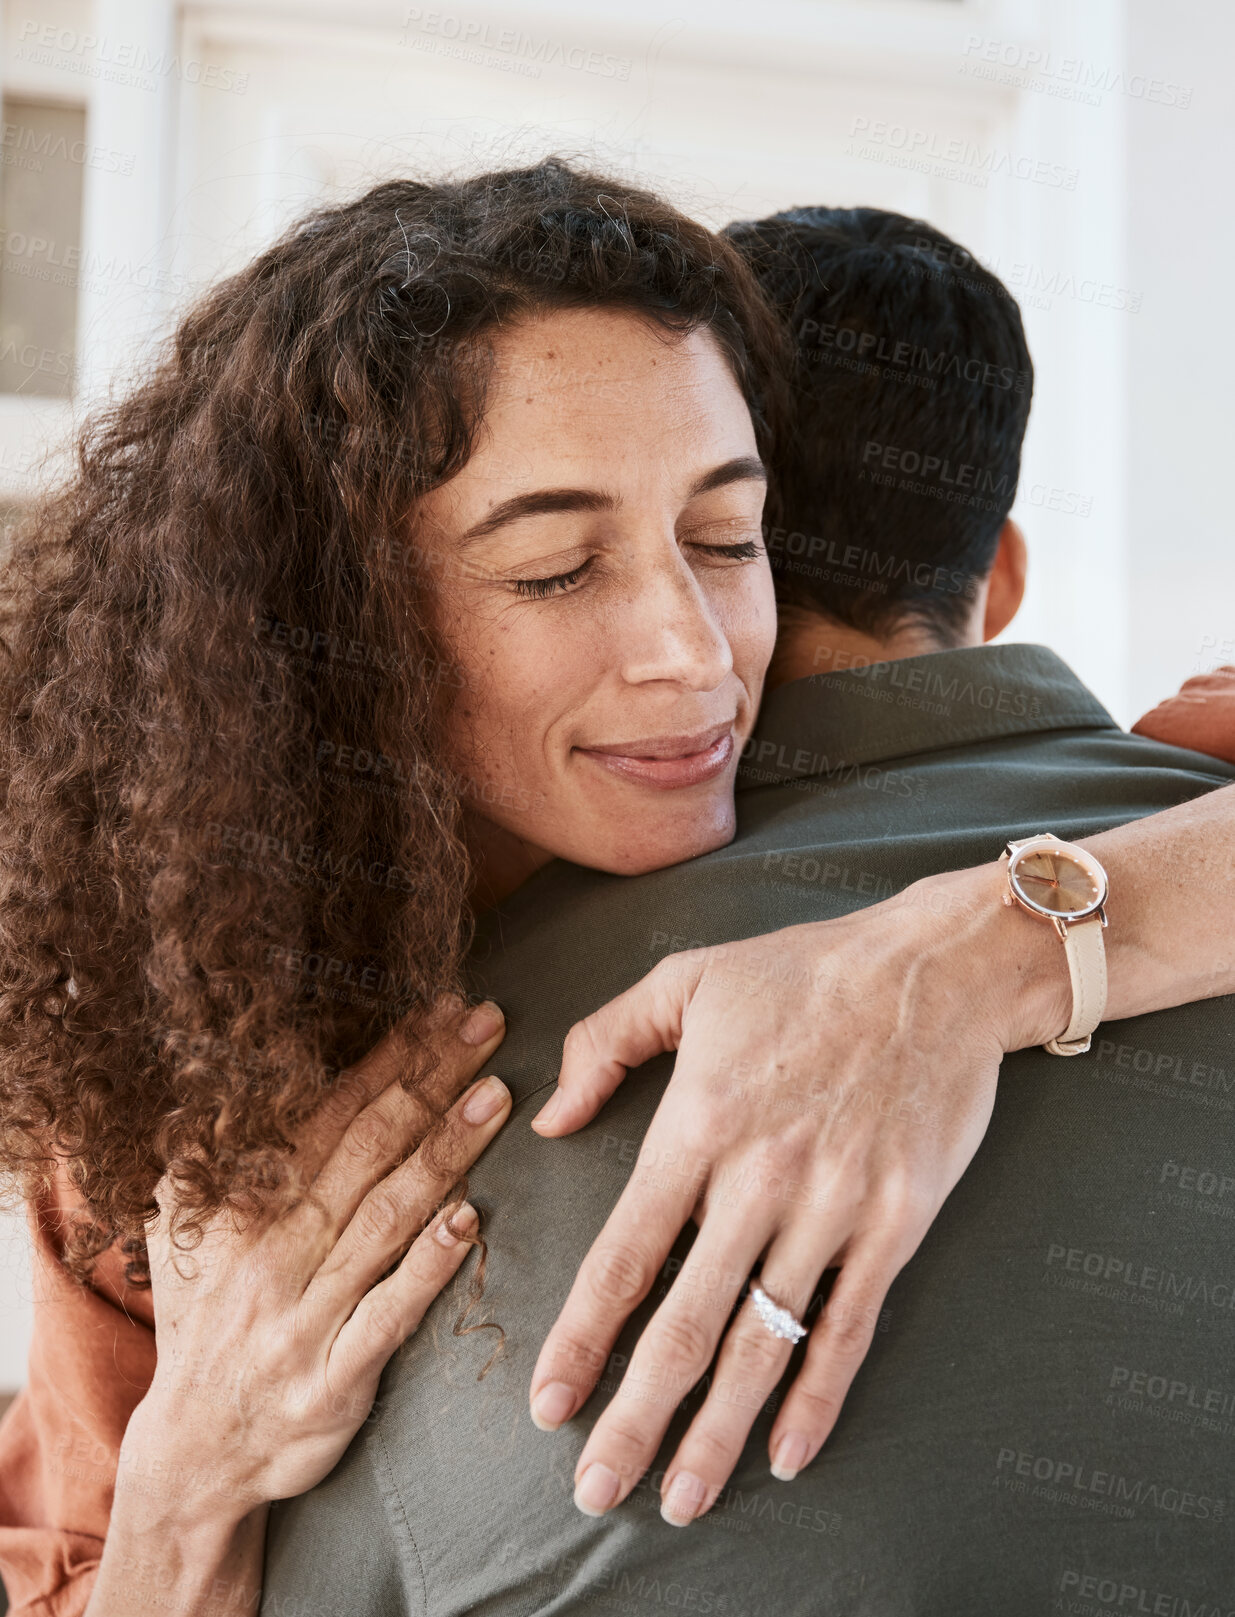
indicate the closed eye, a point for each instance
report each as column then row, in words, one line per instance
column 746, row 550
column 537, row 589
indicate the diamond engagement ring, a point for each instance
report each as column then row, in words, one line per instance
column 777, row 1319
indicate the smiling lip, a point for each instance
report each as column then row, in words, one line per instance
column 669, row 762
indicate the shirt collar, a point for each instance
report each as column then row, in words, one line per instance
column 914, row 705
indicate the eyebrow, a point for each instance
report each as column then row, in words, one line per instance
column 547, row 501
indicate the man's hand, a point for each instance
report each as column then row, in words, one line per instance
column 1201, row 716
column 832, row 1084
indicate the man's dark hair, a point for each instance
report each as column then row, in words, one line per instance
column 913, row 382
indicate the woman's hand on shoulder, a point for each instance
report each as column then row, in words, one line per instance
column 833, row 1082
column 272, row 1332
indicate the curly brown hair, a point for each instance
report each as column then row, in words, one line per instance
column 231, row 856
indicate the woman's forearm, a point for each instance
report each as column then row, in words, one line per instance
column 174, row 1548
column 845, row 1091
column 191, row 1571
column 1171, row 937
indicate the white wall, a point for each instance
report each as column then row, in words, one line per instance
column 1181, row 363
column 733, row 111
column 15, row 1309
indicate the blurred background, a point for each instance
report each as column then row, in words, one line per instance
column 1079, row 147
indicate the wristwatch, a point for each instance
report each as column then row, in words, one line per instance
column 1064, row 884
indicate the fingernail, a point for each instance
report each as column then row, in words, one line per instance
column 597, row 1489
column 464, row 1221
column 485, row 1100
column 790, row 1456
column 549, row 1110
column 485, row 1023
column 552, row 1405
column 684, row 1500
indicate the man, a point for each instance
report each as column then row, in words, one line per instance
column 1045, row 1418
column 913, row 392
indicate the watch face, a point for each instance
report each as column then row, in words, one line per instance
column 1056, row 881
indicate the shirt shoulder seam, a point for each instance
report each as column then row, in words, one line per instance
column 964, row 736
column 403, row 1518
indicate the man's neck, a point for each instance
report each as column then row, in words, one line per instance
column 809, row 643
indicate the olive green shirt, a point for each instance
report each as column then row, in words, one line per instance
column 1046, row 1420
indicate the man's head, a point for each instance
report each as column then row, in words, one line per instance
column 913, row 388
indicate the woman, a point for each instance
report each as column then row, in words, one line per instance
column 252, row 783
column 280, row 712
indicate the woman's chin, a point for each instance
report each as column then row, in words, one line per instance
column 635, row 851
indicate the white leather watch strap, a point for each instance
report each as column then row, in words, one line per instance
column 1086, row 954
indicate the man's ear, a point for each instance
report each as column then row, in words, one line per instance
column 1005, row 588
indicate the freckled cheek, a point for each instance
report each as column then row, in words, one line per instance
column 515, row 710
column 751, row 629
column 480, row 722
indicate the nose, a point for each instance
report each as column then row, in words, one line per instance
column 671, row 631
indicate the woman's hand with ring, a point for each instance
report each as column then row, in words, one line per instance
column 832, row 1084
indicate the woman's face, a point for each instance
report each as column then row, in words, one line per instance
column 605, row 593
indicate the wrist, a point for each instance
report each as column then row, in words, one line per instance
column 169, row 1483
column 1016, row 965
column 159, row 1555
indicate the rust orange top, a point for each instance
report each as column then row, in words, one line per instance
column 91, row 1361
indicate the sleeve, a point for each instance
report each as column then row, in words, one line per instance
column 1201, row 716
column 92, row 1359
